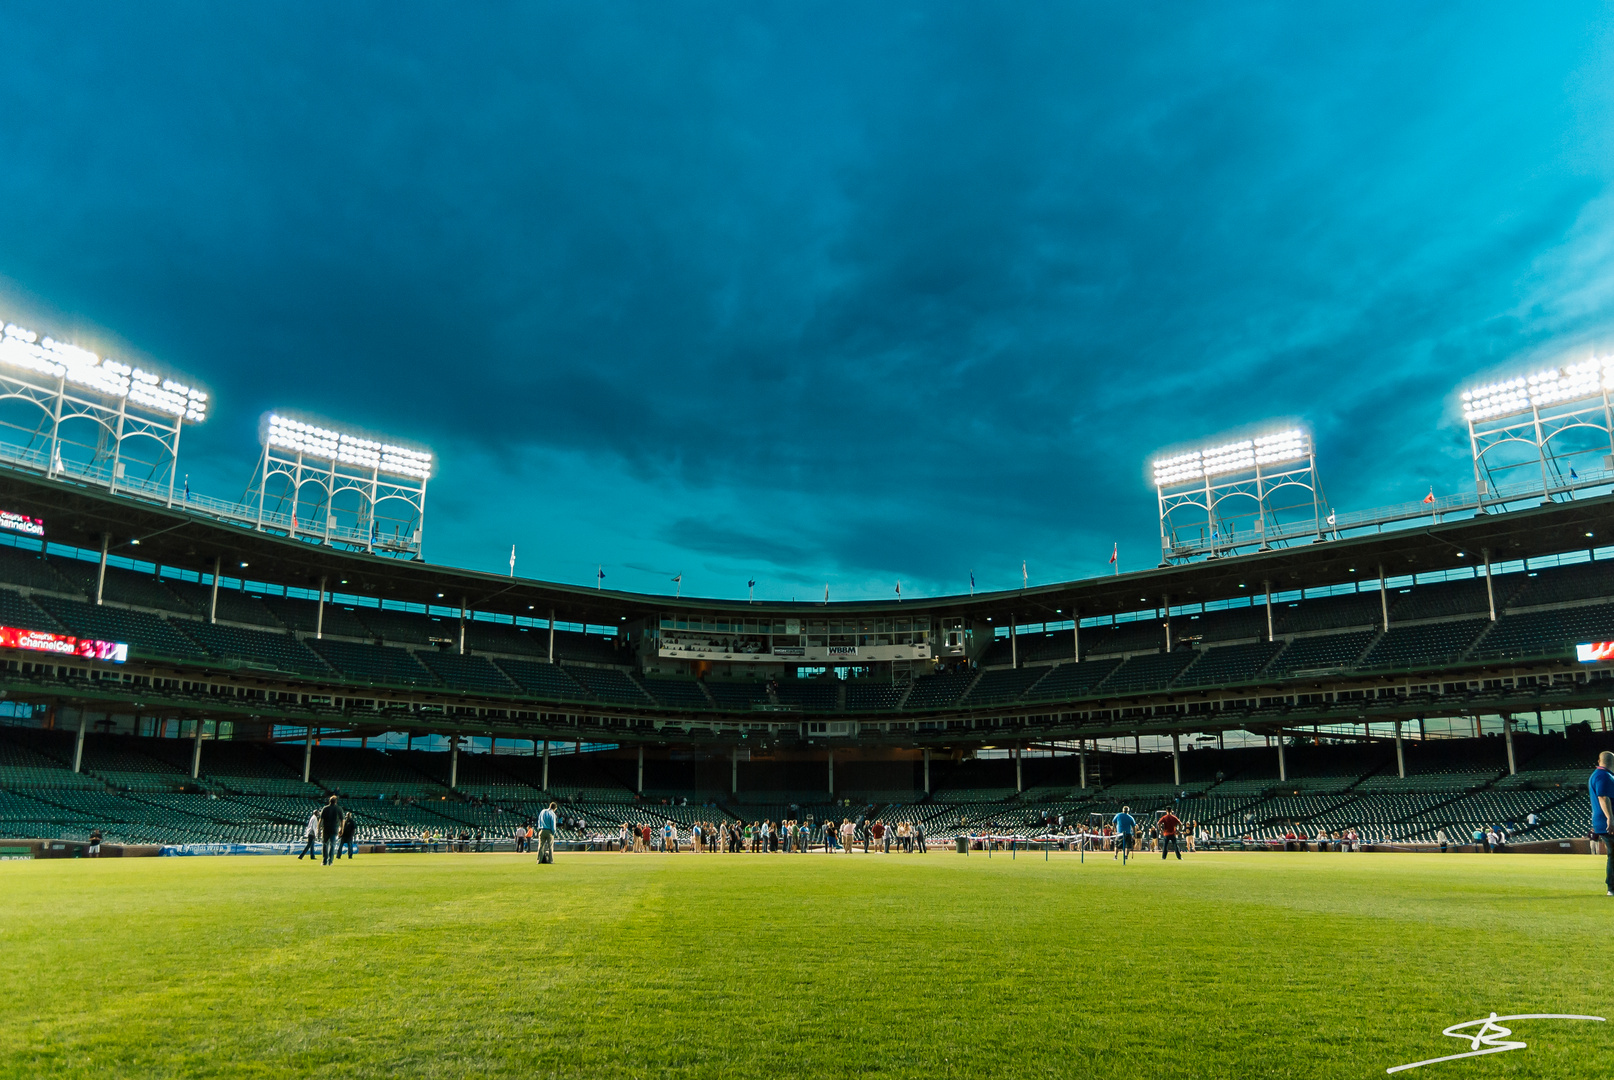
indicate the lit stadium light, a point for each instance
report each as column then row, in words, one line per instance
column 339, row 446
column 1277, row 448
column 1568, row 383
column 24, row 349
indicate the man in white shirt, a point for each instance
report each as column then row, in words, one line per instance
column 310, row 837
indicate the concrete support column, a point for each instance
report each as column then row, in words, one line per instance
column 546, row 766
column 551, row 635
column 1384, row 599
column 1165, row 607
column 1176, row 758
column 734, row 770
column 1283, row 767
column 638, row 783
column 1019, row 783
column 78, row 745
column 1076, row 636
column 319, row 617
column 927, row 772
column 1490, row 590
column 1014, row 644
column 454, row 763
column 213, row 603
column 196, row 750
column 308, row 752
column 1266, row 587
column 1081, row 745
column 100, row 575
column 462, row 625
column 832, row 772
column 1507, row 735
column 1400, row 753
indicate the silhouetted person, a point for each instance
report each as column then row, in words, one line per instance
column 330, row 828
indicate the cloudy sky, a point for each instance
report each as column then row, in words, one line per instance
column 815, row 293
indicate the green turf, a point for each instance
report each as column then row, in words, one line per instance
column 1258, row 965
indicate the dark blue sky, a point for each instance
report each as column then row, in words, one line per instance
column 815, row 293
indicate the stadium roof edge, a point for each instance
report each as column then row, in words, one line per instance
column 79, row 515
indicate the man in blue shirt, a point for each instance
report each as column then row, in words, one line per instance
column 1601, row 789
column 1125, row 826
column 548, row 823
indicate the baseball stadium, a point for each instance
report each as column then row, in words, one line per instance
column 1402, row 695
column 615, row 542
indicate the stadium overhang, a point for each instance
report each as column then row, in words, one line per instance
column 81, row 515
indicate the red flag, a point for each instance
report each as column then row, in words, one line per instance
column 1429, row 498
column 1115, row 551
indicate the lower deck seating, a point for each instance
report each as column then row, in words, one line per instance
column 541, row 679
column 677, row 693
column 1073, row 680
column 373, row 663
column 867, row 695
column 1003, row 685
column 1317, row 653
column 938, row 691
column 281, row 651
column 467, row 672
column 143, row 631
column 811, row 695
column 609, row 684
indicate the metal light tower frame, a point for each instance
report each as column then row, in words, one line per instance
column 1544, row 435
column 1266, row 483
column 381, row 475
column 126, row 408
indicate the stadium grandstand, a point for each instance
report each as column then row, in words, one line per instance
column 1394, row 682
column 179, row 669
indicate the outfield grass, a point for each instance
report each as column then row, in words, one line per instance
column 1229, row 965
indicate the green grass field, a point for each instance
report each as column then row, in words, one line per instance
column 804, row 965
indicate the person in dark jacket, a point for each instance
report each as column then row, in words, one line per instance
column 330, row 828
column 350, row 832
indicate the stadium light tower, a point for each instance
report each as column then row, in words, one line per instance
column 69, row 413
column 1543, row 435
column 340, row 488
column 1255, row 492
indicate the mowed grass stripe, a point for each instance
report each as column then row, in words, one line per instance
column 802, row 965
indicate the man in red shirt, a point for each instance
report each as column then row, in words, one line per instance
column 1169, row 824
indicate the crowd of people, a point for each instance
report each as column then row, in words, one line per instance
column 785, row 836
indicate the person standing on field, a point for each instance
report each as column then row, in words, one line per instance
column 1169, row 824
column 548, row 824
column 1601, row 788
column 350, row 832
column 330, row 828
column 310, row 836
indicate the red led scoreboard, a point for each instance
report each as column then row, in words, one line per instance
column 1594, row 652
column 64, row 644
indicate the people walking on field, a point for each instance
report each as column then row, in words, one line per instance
column 548, row 825
column 919, row 837
column 330, row 828
column 1600, row 786
column 349, row 833
column 310, row 837
column 669, row 837
column 848, row 835
column 1169, row 824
